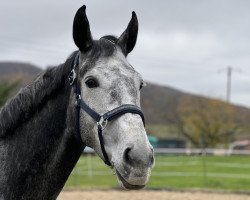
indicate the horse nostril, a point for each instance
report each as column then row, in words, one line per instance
column 126, row 155
column 152, row 160
column 134, row 157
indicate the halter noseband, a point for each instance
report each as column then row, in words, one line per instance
column 101, row 119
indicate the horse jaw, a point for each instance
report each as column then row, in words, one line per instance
column 124, row 184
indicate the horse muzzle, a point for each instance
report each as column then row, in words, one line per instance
column 134, row 167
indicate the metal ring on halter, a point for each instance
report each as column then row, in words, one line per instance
column 72, row 77
column 103, row 123
column 78, row 97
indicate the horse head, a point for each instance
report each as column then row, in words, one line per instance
column 107, row 81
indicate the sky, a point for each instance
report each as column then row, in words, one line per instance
column 184, row 44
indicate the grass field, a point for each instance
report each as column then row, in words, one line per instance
column 176, row 172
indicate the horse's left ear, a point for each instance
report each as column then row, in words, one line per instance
column 128, row 38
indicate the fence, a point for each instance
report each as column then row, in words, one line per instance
column 208, row 151
column 176, row 168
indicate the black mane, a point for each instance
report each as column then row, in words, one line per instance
column 29, row 99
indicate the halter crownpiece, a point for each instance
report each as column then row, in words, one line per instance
column 101, row 119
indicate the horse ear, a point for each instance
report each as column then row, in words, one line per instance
column 81, row 31
column 128, row 38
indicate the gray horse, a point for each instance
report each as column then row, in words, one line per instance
column 39, row 140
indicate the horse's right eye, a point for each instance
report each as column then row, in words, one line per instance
column 92, row 83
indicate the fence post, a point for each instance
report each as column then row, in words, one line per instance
column 90, row 170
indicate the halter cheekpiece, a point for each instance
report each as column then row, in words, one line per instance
column 101, row 119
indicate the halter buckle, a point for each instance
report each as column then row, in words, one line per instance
column 103, row 123
column 78, row 97
column 72, row 76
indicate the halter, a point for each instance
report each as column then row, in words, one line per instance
column 101, row 119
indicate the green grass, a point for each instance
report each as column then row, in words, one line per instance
column 177, row 172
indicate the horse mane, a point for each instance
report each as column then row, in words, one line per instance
column 21, row 107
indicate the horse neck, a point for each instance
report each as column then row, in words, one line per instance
column 45, row 149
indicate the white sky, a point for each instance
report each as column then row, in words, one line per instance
column 182, row 44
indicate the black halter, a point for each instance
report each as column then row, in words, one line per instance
column 101, row 119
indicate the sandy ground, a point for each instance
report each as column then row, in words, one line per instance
column 147, row 195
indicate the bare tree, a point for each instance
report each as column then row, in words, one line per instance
column 205, row 122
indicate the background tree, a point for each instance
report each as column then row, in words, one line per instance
column 205, row 122
column 5, row 91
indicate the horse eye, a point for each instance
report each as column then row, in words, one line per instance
column 92, row 83
column 141, row 86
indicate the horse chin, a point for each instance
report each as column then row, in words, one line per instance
column 124, row 184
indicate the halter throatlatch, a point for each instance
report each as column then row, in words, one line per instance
column 101, row 119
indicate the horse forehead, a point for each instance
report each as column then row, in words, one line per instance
column 116, row 67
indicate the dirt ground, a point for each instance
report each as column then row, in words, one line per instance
column 146, row 195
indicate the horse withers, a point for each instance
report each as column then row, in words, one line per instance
column 93, row 99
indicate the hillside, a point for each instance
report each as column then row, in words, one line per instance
column 22, row 72
column 12, row 68
column 160, row 103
